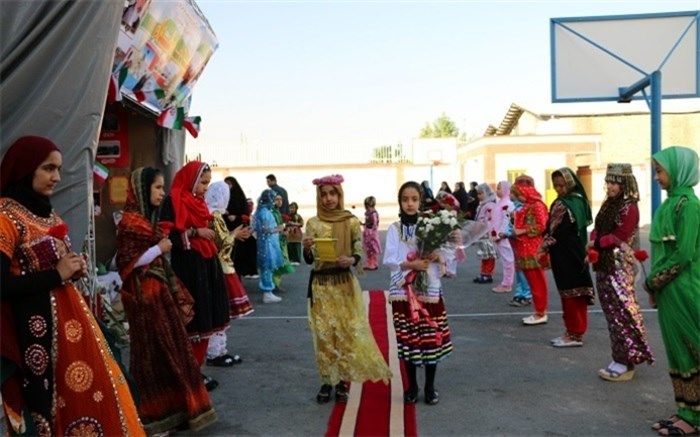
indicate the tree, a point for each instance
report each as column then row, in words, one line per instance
column 442, row 127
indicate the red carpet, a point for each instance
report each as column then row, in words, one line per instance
column 376, row 409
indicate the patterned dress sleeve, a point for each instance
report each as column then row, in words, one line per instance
column 626, row 227
column 16, row 286
column 557, row 215
column 678, row 252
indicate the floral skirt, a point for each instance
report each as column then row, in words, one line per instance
column 418, row 342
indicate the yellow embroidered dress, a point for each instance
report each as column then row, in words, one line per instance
column 344, row 345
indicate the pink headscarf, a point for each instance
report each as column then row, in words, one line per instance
column 504, row 206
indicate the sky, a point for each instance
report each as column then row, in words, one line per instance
column 375, row 72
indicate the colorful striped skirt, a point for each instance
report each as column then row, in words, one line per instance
column 425, row 340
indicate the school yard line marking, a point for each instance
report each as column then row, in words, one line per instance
column 449, row 316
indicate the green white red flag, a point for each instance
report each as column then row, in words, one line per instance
column 171, row 118
column 100, row 173
column 192, row 125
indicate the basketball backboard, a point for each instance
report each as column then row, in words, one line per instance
column 593, row 57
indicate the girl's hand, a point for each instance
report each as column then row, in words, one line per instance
column 420, row 264
column 206, row 233
column 307, row 242
column 345, row 261
column 70, row 266
column 165, row 245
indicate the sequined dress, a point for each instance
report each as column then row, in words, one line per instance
column 615, row 284
column 64, row 374
column 343, row 342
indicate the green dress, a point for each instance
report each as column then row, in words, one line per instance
column 287, row 266
column 674, row 279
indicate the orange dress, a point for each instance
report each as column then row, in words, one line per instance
column 82, row 390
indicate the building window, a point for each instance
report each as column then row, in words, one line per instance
column 513, row 174
column 549, row 192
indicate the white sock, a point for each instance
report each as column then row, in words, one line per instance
column 617, row 367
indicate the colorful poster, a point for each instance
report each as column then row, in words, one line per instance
column 164, row 45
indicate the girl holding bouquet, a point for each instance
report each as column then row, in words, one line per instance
column 343, row 342
column 370, row 236
column 485, row 213
column 616, row 232
column 674, row 282
column 420, row 320
column 529, row 224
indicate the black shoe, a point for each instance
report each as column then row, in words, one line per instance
column 410, row 396
column 483, row 279
column 431, row 396
column 224, row 361
column 324, row 394
column 209, row 383
column 341, row 392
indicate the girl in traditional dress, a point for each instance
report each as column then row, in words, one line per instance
column 449, row 202
column 238, row 212
column 530, row 223
column 522, row 296
column 503, row 227
column 616, row 233
column 370, row 236
column 674, row 282
column 420, row 320
column 485, row 213
column 59, row 376
column 565, row 241
column 169, row 382
column 345, row 348
column 285, row 268
column 294, row 234
column 217, row 197
column 195, row 256
column 269, row 251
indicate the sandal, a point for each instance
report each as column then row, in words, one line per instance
column 675, row 429
column 410, row 396
column 224, row 361
column 209, row 382
column 341, row 392
column 663, row 423
column 324, row 394
column 611, row 375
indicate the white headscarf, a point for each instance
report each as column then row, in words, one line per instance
column 217, row 196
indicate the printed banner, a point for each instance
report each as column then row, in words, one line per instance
column 164, row 45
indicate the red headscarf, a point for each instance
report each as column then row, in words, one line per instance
column 191, row 211
column 528, row 192
column 22, row 158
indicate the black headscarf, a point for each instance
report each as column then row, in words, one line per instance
column 405, row 218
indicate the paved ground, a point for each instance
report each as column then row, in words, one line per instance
column 502, row 379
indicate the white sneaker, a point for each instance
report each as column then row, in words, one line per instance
column 269, row 297
column 534, row 320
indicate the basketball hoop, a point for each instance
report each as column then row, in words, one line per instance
column 437, row 162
